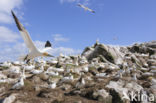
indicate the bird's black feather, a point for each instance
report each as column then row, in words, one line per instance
column 17, row 21
column 48, row 44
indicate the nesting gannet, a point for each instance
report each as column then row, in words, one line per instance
column 3, row 80
column 101, row 75
column 52, row 85
column 67, row 79
column 29, row 67
column 85, row 69
column 120, row 73
column 33, row 51
column 15, row 69
column 152, row 80
column 34, row 71
column 6, row 64
column 55, row 69
column 23, row 72
column 18, row 63
column 80, row 83
column 86, row 8
column 134, row 76
column 52, row 73
column 19, row 84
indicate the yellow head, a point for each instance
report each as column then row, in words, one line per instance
column 150, row 78
column 47, row 55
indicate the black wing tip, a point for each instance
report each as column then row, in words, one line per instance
column 16, row 20
column 93, row 11
column 48, row 44
column 13, row 14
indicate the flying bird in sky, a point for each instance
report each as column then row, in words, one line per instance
column 33, row 51
column 85, row 8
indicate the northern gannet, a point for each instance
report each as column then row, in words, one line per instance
column 80, row 83
column 34, row 71
column 29, row 67
column 68, row 78
column 33, row 51
column 19, row 84
column 86, row 8
column 52, row 85
column 6, row 64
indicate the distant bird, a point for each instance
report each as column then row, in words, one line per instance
column 86, row 8
column 33, row 51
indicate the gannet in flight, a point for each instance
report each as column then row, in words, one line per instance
column 86, row 8
column 33, row 51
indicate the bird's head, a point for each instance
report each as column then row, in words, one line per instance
column 47, row 55
column 150, row 78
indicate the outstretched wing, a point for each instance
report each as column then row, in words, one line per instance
column 91, row 10
column 86, row 8
column 24, row 34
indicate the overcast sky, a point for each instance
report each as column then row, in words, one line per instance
column 71, row 28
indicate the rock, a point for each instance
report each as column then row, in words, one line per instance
column 147, row 74
column 37, row 88
column 10, row 99
column 102, row 96
column 36, row 79
column 18, row 101
column 153, row 67
column 93, row 70
column 51, row 94
column 151, row 44
column 2, row 89
column 133, row 86
column 110, row 53
column 117, row 91
column 44, row 77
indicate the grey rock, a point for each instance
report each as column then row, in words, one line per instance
column 10, row 99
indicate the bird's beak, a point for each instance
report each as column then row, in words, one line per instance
column 50, row 55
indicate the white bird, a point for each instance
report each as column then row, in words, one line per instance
column 101, row 75
column 33, row 51
column 3, row 80
column 6, row 64
column 23, row 73
column 19, row 84
column 68, row 78
column 34, row 71
column 86, row 8
column 29, row 67
column 15, row 69
column 55, row 69
column 134, row 77
column 52, row 73
column 80, row 83
column 52, row 85
column 85, row 69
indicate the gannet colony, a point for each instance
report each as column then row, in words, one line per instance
column 100, row 74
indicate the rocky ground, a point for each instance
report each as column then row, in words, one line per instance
column 101, row 74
